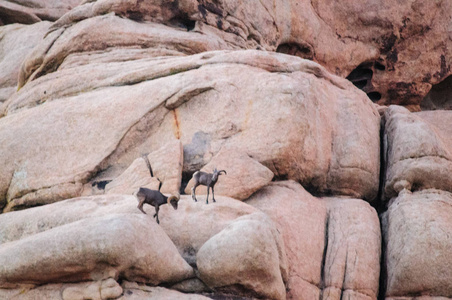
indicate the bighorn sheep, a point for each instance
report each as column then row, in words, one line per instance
column 155, row 198
column 207, row 179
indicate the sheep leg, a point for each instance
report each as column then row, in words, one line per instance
column 207, row 199
column 213, row 195
column 193, row 192
column 157, row 214
column 140, row 204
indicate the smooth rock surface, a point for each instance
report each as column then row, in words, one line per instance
column 135, row 176
column 32, row 11
column 417, row 233
column 16, row 42
column 301, row 219
column 134, row 291
column 247, row 254
column 244, row 175
column 91, row 138
column 164, row 163
column 90, row 249
column 332, row 244
column 97, row 290
column 418, row 150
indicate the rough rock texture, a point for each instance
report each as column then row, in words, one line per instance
column 87, row 229
column 352, row 262
column 54, row 255
column 32, row 11
column 194, row 223
column 165, row 165
column 411, row 42
column 133, row 291
column 97, row 290
column 417, row 232
column 245, row 254
column 332, row 244
column 85, row 99
column 283, row 127
column 418, row 150
column 244, row 175
column 135, row 176
column 16, row 41
column 395, row 50
column 439, row 97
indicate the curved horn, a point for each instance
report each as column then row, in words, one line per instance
column 219, row 172
column 174, row 196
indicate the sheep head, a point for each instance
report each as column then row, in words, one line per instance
column 173, row 200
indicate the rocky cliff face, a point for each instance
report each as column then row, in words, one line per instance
column 327, row 194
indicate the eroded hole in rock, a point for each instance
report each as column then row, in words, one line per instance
column 134, row 15
column 439, row 97
column 100, row 184
column 362, row 76
column 374, row 96
column 183, row 22
column 360, row 83
column 186, row 176
column 301, row 50
column 361, row 73
column 379, row 66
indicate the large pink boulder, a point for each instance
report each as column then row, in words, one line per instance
column 332, row 244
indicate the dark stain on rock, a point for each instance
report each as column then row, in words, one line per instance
column 402, row 92
column 195, row 151
column 202, row 10
column 391, row 58
column 135, row 15
column 444, row 68
column 303, row 50
column 219, row 23
column 176, row 124
column 387, row 42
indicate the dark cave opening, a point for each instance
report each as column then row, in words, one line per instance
column 374, row 96
column 301, row 50
column 439, row 97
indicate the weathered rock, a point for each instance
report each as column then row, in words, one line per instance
column 410, row 49
column 244, row 175
column 107, row 289
column 164, row 163
column 417, row 233
column 439, row 97
column 96, row 290
column 418, row 150
column 32, row 11
column 133, row 291
column 301, row 219
column 135, row 176
column 352, row 261
column 77, row 247
column 332, row 244
column 192, row 285
column 276, row 125
column 194, row 223
column 63, row 225
column 16, row 41
column 245, row 256
column 396, row 50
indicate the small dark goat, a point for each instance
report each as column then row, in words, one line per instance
column 207, row 179
column 155, row 198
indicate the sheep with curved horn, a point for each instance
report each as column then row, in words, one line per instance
column 155, row 198
column 207, row 179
